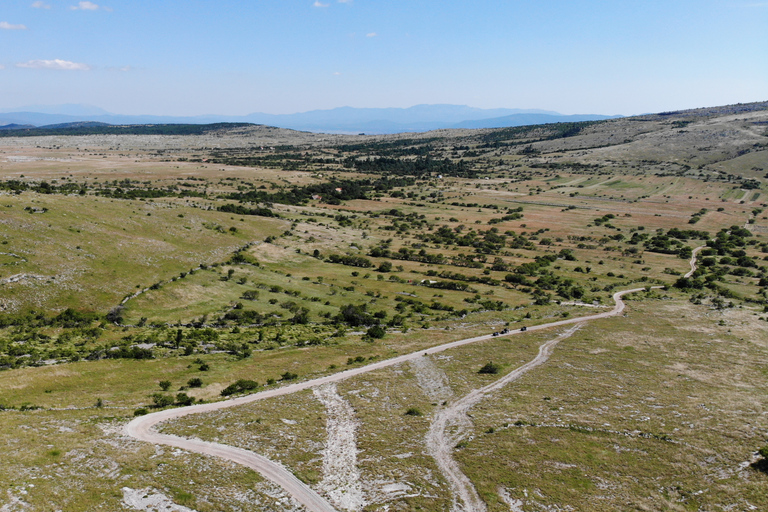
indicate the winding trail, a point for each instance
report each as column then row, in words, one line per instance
column 143, row 427
column 440, row 444
column 693, row 261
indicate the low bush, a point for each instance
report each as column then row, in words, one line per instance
column 240, row 386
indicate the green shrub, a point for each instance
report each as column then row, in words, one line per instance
column 376, row 332
column 184, row 399
column 240, row 386
column 161, row 400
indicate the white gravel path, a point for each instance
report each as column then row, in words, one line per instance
column 440, row 443
column 143, row 427
column 341, row 475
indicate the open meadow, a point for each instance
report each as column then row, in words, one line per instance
column 144, row 272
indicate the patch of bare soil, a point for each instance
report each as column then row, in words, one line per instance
column 341, row 475
column 148, row 501
column 514, row 505
column 432, row 380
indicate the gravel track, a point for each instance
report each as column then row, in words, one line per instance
column 341, row 476
column 143, row 427
column 693, row 261
column 440, row 444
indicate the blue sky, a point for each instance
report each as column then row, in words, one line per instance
column 190, row 57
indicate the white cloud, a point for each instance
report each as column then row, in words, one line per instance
column 4, row 25
column 345, row 1
column 337, row 73
column 2, row 67
column 84, row 6
column 371, row 34
column 318, row 3
column 54, row 64
column 41, row 5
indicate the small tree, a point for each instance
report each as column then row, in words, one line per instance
column 184, row 399
column 165, row 385
column 376, row 331
column 161, row 401
column 195, row 382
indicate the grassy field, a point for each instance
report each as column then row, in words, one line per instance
column 270, row 255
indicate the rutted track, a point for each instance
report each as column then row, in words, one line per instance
column 142, row 428
column 693, row 261
column 440, row 445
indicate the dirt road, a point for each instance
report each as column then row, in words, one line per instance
column 693, row 261
column 441, row 445
column 142, row 428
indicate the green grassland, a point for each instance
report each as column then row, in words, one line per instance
column 130, row 260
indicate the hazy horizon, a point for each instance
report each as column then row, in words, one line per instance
column 196, row 58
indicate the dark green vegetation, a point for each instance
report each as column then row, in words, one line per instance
column 105, row 129
column 432, row 246
column 244, row 258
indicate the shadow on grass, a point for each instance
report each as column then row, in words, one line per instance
column 761, row 465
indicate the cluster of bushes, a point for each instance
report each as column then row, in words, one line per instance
column 128, row 353
column 240, row 386
column 69, row 318
column 456, row 276
column 484, row 242
column 514, row 215
column 352, row 261
column 419, row 167
column 160, row 400
column 239, row 209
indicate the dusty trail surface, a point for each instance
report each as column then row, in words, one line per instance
column 341, row 476
column 142, row 428
column 693, row 261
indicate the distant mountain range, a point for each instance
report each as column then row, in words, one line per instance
column 419, row 118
